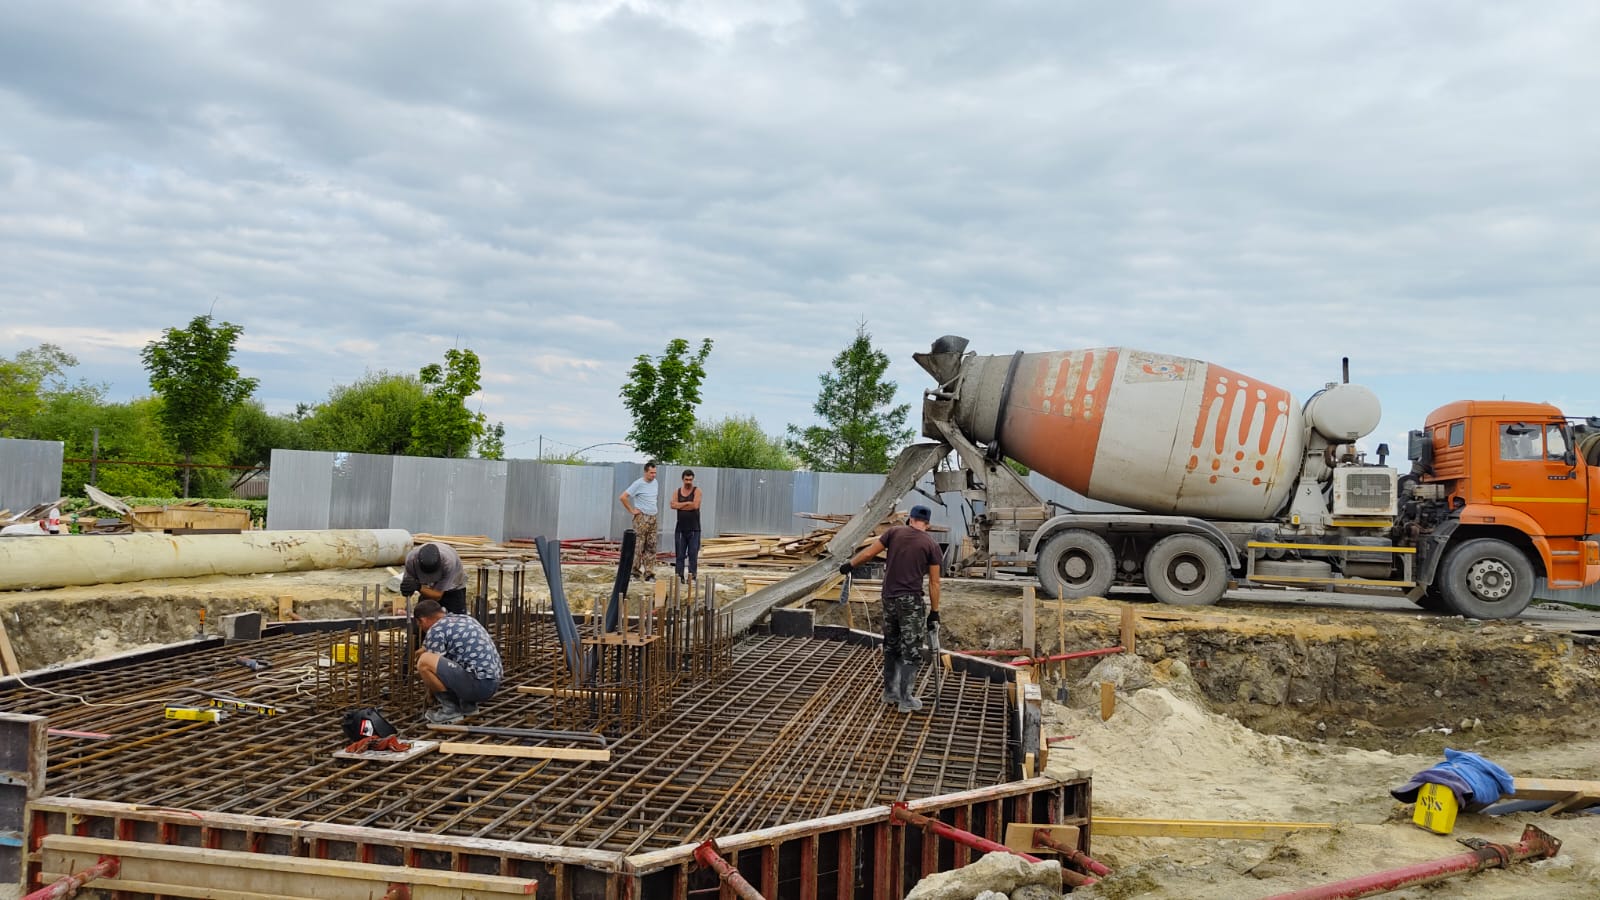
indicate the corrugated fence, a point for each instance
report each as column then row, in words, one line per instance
column 523, row 498
column 30, row 473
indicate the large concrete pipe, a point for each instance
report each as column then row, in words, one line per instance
column 45, row 562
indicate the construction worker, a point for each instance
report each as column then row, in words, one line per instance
column 912, row 554
column 436, row 571
column 640, row 500
column 458, row 662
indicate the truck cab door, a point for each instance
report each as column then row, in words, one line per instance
column 1530, row 473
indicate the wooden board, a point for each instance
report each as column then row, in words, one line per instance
column 1117, row 826
column 177, row 871
column 1564, row 793
column 521, row 752
column 1019, row 836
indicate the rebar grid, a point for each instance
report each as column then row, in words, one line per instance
column 793, row 730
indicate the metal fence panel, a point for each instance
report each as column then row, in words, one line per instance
column 756, row 501
column 586, row 502
column 806, row 487
column 30, row 473
column 838, row 492
column 302, row 490
column 622, row 476
column 449, row 496
column 533, row 499
column 360, row 491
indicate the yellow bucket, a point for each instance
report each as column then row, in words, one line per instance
column 346, row 653
column 1436, row 809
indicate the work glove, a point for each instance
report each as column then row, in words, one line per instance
column 845, row 568
column 933, row 619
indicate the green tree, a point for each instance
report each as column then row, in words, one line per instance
column 444, row 426
column 256, row 433
column 661, row 395
column 129, row 432
column 192, row 371
column 29, row 380
column 859, row 427
column 374, row 415
column 492, row 445
column 735, row 442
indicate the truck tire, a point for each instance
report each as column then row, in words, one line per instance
column 1075, row 563
column 1486, row 578
column 1186, row 570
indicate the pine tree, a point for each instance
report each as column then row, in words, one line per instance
column 859, row 428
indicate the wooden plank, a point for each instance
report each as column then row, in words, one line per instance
column 521, row 752
column 166, row 863
column 1019, row 836
column 8, row 657
column 285, row 608
column 1129, row 620
column 1117, row 826
column 539, row 690
column 1108, row 700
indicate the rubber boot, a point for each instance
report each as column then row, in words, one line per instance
column 891, row 688
column 908, row 687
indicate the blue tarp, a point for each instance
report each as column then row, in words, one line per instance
column 1476, row 781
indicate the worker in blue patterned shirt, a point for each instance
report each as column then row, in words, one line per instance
column 458, row 662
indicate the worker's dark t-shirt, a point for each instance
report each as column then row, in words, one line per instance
column 911, row 552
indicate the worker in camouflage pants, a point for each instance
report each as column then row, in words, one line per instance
column 640, row 500
column 912, row 554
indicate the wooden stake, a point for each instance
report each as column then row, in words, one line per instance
column 1061, row 637
column 1129, row 618
column 8, row 658
column 285, row 608
column 1030, row 637
column 1108, row 700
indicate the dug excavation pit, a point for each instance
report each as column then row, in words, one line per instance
column 1395, row 681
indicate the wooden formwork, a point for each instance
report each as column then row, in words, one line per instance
column 185, row 853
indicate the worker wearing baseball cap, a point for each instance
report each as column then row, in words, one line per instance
column 436, row 571
column 912, row 553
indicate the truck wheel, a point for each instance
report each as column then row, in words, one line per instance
column 1486, row 578
column 1076, row 563
column 1186, row 570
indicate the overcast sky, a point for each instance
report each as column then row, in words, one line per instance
column 561, row 186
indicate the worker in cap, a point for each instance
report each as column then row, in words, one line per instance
column 912, row 554
column 436, row 571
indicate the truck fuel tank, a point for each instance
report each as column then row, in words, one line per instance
column 1146, row 430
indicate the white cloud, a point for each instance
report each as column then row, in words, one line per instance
column 564, row 186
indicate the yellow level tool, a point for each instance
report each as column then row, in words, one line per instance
column 191, row 714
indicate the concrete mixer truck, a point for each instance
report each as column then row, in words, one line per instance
column 1227, row 480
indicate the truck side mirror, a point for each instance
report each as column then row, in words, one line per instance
column 1570, row 457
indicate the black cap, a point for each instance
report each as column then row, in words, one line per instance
column 920, row 512
column 428, row 558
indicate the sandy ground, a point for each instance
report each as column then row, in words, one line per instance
column 1258, row 709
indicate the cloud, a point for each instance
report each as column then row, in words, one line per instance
column 563, row 186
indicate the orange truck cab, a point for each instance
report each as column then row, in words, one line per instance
column 1500, row 494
